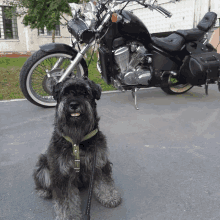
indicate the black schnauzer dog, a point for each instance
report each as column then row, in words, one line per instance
column 67, row 164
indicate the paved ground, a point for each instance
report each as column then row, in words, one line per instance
column 165, row 156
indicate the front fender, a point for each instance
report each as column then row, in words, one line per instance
column 62, row 48
column 54, row 47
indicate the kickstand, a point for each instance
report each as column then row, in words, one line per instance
column 218, row 84
column 134, row 95
column 206, row 87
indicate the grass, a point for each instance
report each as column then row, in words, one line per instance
column 95, row 76
column 10, row 70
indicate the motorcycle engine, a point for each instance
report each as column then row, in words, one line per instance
column 130, row 60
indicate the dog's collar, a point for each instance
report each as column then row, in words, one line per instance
column 76, row 148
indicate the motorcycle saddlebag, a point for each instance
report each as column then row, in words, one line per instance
column 197, row 68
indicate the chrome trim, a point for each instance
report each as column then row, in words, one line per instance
column 98, row 67
column 58, row 63
column 103, row 22
column 122, row 58
column 173, row 73
column 77, row 59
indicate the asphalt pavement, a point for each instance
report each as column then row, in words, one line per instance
column 165, row 156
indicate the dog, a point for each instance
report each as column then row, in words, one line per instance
column 60, row 173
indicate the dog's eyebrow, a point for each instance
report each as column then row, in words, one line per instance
column 70, row 87
column 88, row 87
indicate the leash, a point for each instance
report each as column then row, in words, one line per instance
column 86, row 216
column 87, row 213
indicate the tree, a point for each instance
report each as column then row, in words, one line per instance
column 40, row 13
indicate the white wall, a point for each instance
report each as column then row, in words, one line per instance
column 186, row 14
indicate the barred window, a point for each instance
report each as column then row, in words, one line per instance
column 41, row 31
column 45, row 32
column 8, row 27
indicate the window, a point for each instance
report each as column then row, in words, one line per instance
column 8, row 27
column 45, row 32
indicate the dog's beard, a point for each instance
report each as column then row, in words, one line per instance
column 74, row 127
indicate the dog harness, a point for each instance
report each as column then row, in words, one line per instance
column 76, row 148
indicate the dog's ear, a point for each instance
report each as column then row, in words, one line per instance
column 96, row 89
column 57, row 87
column 56, row 90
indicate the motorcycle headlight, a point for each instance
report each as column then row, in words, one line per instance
column 80, row 30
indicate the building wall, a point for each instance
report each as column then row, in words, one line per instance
column 155, row 22
column 186, row 15
column 28, row 39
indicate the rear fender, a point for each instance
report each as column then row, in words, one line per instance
column 196, row 47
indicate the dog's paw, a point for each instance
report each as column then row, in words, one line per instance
column 107, row 195
column 45, row 194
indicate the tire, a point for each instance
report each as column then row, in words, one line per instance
column 174, row 90
column 43, row 82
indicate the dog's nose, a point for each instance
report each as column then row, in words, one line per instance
column 73, row 105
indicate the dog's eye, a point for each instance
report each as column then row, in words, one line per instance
column 72, row 92
column 83, row 93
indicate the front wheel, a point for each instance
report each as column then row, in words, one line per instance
column 171, row 86
column 38, row 71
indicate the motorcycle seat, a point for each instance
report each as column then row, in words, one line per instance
column 191, row 34
column 171, row 43
column 203, row 26
column 175, row 41
column 207, row 21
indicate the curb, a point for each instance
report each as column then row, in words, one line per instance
column 105, row 92
column 115, row 91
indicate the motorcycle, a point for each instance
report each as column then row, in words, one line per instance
column 129, row 57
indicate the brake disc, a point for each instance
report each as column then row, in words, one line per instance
column 48, row 80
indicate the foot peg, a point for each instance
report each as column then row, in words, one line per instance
column 134, row 95
column 118, row 85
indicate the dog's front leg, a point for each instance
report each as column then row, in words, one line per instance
column 67, row 202
column 104, row 188
column 65, row 192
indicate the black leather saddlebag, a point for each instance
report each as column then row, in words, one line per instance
column 197, row 68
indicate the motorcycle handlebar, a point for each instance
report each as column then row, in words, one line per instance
column 113, row 9
column 163, row 10
column 156, row 7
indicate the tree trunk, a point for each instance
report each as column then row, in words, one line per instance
column 53, row 36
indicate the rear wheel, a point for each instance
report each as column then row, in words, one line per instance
column 171, row 86
column 38, row 71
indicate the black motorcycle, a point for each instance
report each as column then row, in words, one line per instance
column 129, row 57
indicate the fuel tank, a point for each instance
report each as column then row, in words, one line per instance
column 132, row 28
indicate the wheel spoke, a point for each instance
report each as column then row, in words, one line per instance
column 39, row 85
column 42, row 72
column 172, row 86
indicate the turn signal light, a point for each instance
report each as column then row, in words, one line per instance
column 114, row 17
